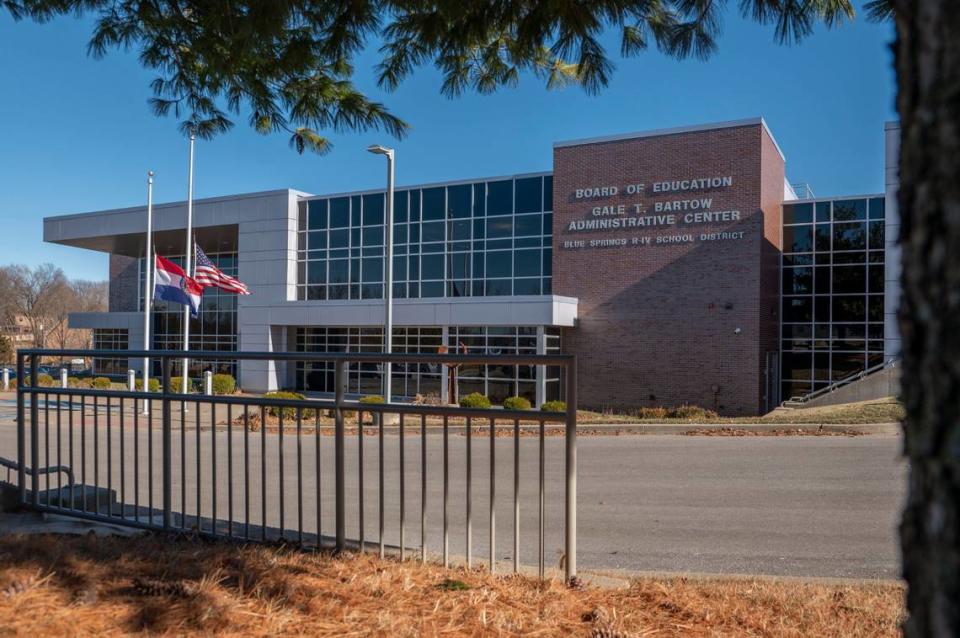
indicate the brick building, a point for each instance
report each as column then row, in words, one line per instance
column 679, row 266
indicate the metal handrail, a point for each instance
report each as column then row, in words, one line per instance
column 842, row 382
column 43, row 431
column 13, row 465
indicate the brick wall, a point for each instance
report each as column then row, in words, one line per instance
column 124, row 282
column 674, row 323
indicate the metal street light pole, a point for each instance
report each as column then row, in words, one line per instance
column 387, row 270
column 148, row 290
column 188, row 264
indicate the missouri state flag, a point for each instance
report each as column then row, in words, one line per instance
column 172, row 284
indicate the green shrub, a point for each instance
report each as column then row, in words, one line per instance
column 154, row 385
column 691, row 412
column 516, row 403
column 475, row 400
column 13, row 384
column 224, row 384
column 653, row 413
column 368, row 399
column 73, row 382
column 176, row 385
column 289, row 414
column 43, row 380
column 102, row 383
column 554, row 406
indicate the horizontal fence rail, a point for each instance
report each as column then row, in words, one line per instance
column 259, row 468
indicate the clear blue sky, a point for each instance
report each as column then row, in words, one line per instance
column 76, row 134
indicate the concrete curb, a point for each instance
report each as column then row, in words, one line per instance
column 765, row 428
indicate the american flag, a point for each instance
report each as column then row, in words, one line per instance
column 208, row 275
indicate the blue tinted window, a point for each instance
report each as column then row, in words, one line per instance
column 496, row 287
column 339, row 271
column 458, row 201
column 459, row 266
column 849, row 236
column 373, row 236
column 373, row 209
column 500, row 227
column 400, row 207
column 797, row 213
column 526, row 286
column 433, row 204
column 529, row 195
column 548, row 193
column 431, row 289
column 460, row 229
column 525, row 225
column 339, row 212
column 849, row 210
column 798, row 239
column 877, row 208
column 479, row 200
column 432, row 267
column 318, row 214
column 372, row 269
column 500, row 263
column 317, row 272
column 433, row 231
column 526, row 263
column 339, row 238
column 500, row 197
column 823, row 211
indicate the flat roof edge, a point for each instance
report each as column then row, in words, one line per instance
column 452, row 182
column 204, row 200
column 710, row 126
column 813, row 200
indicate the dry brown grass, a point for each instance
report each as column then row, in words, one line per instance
column 54, row 585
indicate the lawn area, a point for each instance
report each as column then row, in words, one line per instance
column 887, row 410
column 57, row 585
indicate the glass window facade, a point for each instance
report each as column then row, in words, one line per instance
column 110, row 339
column 409, row 380
column 484, row 238
column 832, row 291
column 214, row 329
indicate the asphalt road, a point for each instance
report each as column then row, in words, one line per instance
column 798, row 506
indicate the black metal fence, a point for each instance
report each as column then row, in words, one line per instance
column 263, row 468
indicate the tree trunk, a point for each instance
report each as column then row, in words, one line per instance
column 928, row 77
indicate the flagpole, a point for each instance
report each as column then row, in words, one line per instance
column 147, row 290
column 188, row 266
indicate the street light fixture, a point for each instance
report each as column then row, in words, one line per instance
column 387, row 269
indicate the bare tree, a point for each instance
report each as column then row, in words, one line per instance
column 87, row 296
column 33, row 294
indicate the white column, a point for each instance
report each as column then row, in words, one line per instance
column 541, row 392
column 63, row 377
column 444, row 370
column 131, row 380
column 6, row 379
column 208, row 382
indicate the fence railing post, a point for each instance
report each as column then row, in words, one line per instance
column 570, row 514
column 166, row 471
column 21, row 434
column 34, row 433
column 340, row 382
column 207, row 382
